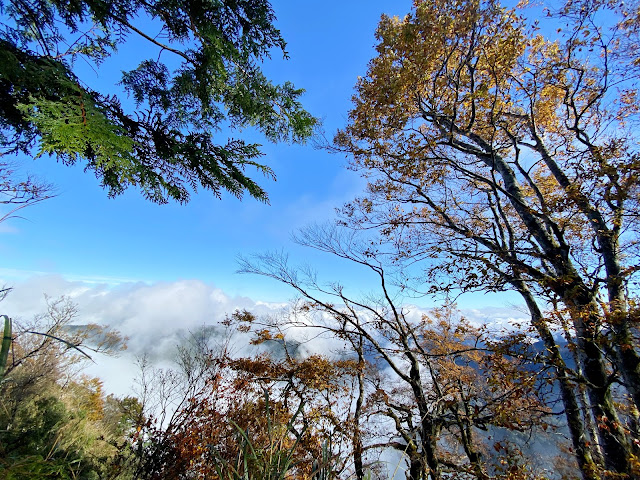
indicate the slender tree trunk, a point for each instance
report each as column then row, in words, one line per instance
column 625, row 347
column 357, row 434
column 590, row 426
column 429, row 429
column 430, row 435
column 466, row 439
column 627, row 359
column 6, row 345
column 616, row 447
column 615, row 444
column 635, row 428
column 579, row 439
column 585, row 405
column 416, row 469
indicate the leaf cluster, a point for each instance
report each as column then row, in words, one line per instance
column 55, row 423
column 166, row 145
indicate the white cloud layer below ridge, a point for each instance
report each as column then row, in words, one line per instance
column 152, row 316
column 156, row 316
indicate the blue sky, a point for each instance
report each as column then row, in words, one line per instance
column 83, row 234
column 152, row 271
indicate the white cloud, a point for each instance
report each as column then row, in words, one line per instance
column 6, row 227
column 152, row 316
column 498, row 318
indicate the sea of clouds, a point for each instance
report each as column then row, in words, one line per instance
column 156, row 317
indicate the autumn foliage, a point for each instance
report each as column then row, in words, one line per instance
column 501, row 147
column 502, row 155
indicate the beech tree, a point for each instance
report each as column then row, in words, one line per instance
column 505, row 158
column 219, row 415
column 445, row 378
column 199, row 74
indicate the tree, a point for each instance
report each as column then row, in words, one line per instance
column 203, row 69
column 217, row 415
column 48, row 342
column 52, row 420
column 506, row 160
column 18, row 194
column 444, row 376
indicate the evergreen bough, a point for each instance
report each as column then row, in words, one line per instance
column 203, row 75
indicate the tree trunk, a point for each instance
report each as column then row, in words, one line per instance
column 415, row 469
column 583, row 453
column 589, row 423
column 616, row 447
column 627, row 361
column 429, row 429
column 475, row 458
column 624, row 346
column 626, row 357
column 357, row 434
column 430, row 434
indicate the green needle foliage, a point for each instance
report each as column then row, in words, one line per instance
column 201, row 74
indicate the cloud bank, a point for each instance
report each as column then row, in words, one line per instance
column 156, row 316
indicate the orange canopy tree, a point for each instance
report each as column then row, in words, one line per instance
column 505, row 159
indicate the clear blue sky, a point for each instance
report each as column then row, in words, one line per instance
column 81, row 234
column 83, row 244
